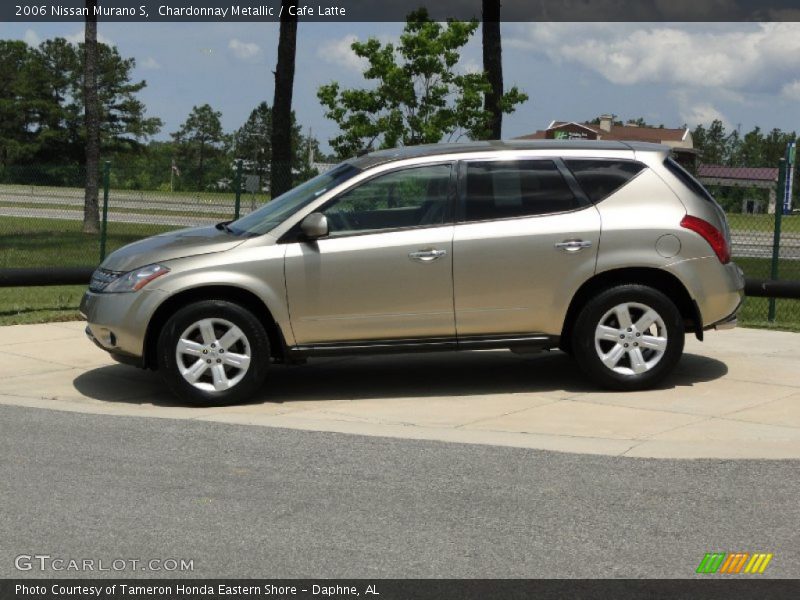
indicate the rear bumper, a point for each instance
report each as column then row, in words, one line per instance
column 717, row 289
column 728, row 322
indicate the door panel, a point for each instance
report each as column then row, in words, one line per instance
column 516, row 274
column 367, row 287
column 510, row 277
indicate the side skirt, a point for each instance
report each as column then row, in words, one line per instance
column 512, row 342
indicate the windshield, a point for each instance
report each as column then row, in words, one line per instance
column 275, row 212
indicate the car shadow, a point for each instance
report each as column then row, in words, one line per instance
column 396, row 376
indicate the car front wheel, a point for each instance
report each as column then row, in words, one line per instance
column 213, row 353
column 628, row 337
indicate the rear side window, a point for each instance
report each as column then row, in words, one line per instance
column 687, row 180
column 519, row 188
column 599, row 178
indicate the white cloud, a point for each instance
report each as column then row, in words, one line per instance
column 700, row 112
column 470, row 66
column 78, row 36
column 243, row 50
column 745, row 58
column 792, row 90
column 339, row 52
column 150, row 63
column 31, row 38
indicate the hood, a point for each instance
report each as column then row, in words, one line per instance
column 171, row 245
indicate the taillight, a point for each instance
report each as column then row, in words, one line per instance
column 714, row 237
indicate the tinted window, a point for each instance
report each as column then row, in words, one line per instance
column 281, row 208
column 687, row 179
column 407, row 198
column 601, row 178
column 502, row 190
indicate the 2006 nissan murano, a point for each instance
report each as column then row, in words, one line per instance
column 609, row 251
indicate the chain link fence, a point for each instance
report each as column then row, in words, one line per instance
column 42, row 210
column 764, row 254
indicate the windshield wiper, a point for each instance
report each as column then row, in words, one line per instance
column 224, row 227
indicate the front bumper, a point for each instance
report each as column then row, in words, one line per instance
column 118, row 323
column 127, row 359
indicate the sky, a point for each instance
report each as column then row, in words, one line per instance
column 745, row 74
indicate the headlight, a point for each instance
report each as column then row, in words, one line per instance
column 133, row 281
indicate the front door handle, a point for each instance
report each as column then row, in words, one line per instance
column 573, row 245
column 427, row 255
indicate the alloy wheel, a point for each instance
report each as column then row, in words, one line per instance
column 631, row 338
column 213, row 355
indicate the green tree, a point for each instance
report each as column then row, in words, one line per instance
column 714, row 143
column 201, row 144
column 253, row 141
column 18, row 106
column 417, row 96
column 57, row 70
column 148, row 169
column 253, row 145
column 43, row 108
column 124, row 124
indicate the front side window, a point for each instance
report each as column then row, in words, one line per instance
column 515, row 188
column 412, row 197
column 272, row 214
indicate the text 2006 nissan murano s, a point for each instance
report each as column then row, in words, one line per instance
column 606, row 250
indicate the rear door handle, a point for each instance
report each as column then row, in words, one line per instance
column 573, row 245
column 427, row 255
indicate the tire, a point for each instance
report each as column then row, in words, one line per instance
column 213, row 353
column 617, row 351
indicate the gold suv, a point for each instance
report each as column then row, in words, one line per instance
column 606, row 250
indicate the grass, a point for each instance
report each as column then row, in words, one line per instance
column 754, row 314
column 761, row 268
column 49, row 242
column 55, row 242
column 19, row 306
column 744, row 223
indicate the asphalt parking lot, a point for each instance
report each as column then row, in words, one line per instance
column 480, row 464
column 265, row 502
column 736, row 395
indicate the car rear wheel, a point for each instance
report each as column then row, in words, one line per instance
column 213, row 353
column 628, row 337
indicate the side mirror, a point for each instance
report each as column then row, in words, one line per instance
column 314, row 226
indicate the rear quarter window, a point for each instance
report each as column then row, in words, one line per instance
column 687, row 180
column 599, row 178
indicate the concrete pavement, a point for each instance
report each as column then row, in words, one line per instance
column 737, row 395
